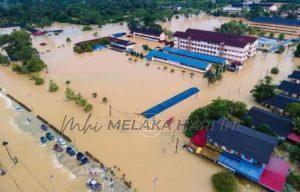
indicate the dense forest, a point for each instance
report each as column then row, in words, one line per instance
column 44, row 12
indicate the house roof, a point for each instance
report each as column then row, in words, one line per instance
column 276, row 21
column 242, row 139
column 216, row 37
column 280, row 101
column 147, row 31
column 275, row 174
column 122, row 42
column 294, row 137
column 289, row 87
column 295, row 75
column 199, row 138
column 281, row 125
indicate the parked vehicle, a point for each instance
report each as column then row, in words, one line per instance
column 79, row 156
column 70, row 151
column 49, row 136
column 61, row 142
column 93, row 185
column 43, row 140
column 57, row 148
column 44, row 127
column 84, row 160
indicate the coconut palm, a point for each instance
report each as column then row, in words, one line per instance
column 104, row 100
column 172, row 70
column 95, row 94
column 192, row 75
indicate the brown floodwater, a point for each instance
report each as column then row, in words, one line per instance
column 131, row 88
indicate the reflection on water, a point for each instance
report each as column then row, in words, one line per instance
column 132, row 87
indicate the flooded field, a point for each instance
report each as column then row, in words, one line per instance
column 131, row 88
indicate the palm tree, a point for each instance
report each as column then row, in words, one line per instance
column 165, row 67
column 172, row 70
column 210, row 76
column 94, row 94
column 104, row 100
column 183, row 71
column 192, row 75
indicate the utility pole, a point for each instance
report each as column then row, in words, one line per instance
column 154, row 184
column 5, row 143
column 110, row 110
column 51, row 180
column 177, row 145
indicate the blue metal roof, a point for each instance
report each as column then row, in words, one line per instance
column 241, row 166
column 295, row 75
column 170, row 102
column 193, row 63
column 277, row 20
column 290, row 87
column 203, row 57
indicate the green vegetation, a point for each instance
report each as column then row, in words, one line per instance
column 275, row 70
column 281, row 49
column 36, row 77
column 87, row 28
column 53, row 87
column 238, row 27
column 68, row 40
column 256, row 12
column 219, row 108
column 43, row 13
column 4, row 60
column 297, row 51
column 281, row 37
column 78, row 99
column 146, row 47
column 293, row 109
column 224, row 181
column 296, row 121
column 19, row 48
column 214, row 74
column 265, row 128
column 293, row 179
column 88, row 46
column 264, row 89
column 271, row 35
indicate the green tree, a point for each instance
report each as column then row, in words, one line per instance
column 224, row 181
column 53, row 87
column 295, row 153
column 265, row 128
column 68, row 40
column 39, row 81
column 281, row 37
column 271, row 35
column 296, row 122
column 88, row 107
column 247, row 121
column 264, row 89
column 275, row 70
column 95, row 94
column 197, row 120
column 297, row 51
column 293, row 109
column 294, row 180
column 235, row 27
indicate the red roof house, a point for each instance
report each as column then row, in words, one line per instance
column 275, row 174
column 199, row 138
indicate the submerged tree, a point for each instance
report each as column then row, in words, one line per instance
column 264, row 89
column 224, row 181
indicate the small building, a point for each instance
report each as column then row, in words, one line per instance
column 279, row 124
column 279, row 102
column 242, row 142
column 149, row 34
column 121, row 44
column 236, row 11
column 295, row 77
column 290, row 88
column 266, row 43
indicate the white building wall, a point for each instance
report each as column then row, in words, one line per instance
column 228, row 52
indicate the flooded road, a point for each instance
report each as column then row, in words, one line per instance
column 131, row 88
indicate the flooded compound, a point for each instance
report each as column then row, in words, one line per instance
column 131, row 87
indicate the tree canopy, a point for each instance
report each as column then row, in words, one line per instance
column 224, row 181
column 264, row 89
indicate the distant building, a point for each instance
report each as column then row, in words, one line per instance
column 266, row 43
column 233, row 10
column 277, row 24
column 290, row 88
column 229, row 46
column 121, row 44
column 295, row 76
column 149, row 34
column 8, row 30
